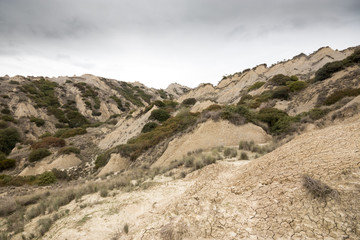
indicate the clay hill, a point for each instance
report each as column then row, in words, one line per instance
column 268, row 153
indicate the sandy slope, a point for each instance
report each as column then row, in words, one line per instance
column 263, row 199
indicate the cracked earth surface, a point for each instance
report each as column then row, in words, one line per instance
column 259, row 199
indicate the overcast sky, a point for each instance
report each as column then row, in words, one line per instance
column 158, row 42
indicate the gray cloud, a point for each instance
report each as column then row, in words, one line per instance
column 189, row 34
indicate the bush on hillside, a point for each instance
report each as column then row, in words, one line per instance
column 256, row 85
column 38, row 121
column 8, row 139
column 159, row 115
column 189, row 101
column 148, row 127
column 7, row 163
column 281, row 93
column 338, row 95
column 46, row 178
column 70, row 132
column 330, row 68
column 296, row 86
column 280, row 79
column 69, row 150
column 38, row 154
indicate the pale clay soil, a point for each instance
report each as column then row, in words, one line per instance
column 258, row 199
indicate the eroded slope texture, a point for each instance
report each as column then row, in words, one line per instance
column 265, row 199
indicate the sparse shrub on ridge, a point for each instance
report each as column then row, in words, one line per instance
column 280, row 79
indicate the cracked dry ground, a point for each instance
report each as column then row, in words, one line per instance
column 263, row 199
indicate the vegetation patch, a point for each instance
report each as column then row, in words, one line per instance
column 48, row 142
column 69, row 150
column 41, row 180
column 148, row 127
column 317, row 113
column 296, row 86
column 189, row 101
column 70, row 132
column 8, row 139
column 7, row 164
column 338, row 95
column 159, row 115
column 38, row 121
column 280, row 79
column 256, row 85
column 138, row 145
column 118, row 102
column 278, row 121
column 318, row 189
column 38, row 154
column 330, row 68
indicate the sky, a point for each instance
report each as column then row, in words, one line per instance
column 158, row 42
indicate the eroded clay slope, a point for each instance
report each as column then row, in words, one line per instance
column 264, row 199
column 211, row 134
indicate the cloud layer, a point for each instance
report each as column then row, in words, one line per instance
column 160, row 41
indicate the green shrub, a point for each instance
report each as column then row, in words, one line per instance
column 244, row 156
column 3, row 124
column 229, row 152
column 104, row 192
column 118, row 102
column 317, row 113
column 188, row 161
column 159, row 115
column 66, row 133
column 8, row 118
column 280, row 79
column 69, row 150
column 43, row 225
column 76, row 119
column 8, row 139
column 96, row 113
column 296, row 86
column 46, row 178
column 278, row 121
column 281, row 93
column 159, row 104
column 338, row 95
column 102, row 160
column 38, row 121
column 148, row 127
column 60, row 174
column 330, row 68
column 126, row 228
column 256, row 85
column 5, row 111
column 38, row 154
column 7, row 163
column 163, row 94
column 189, row 101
